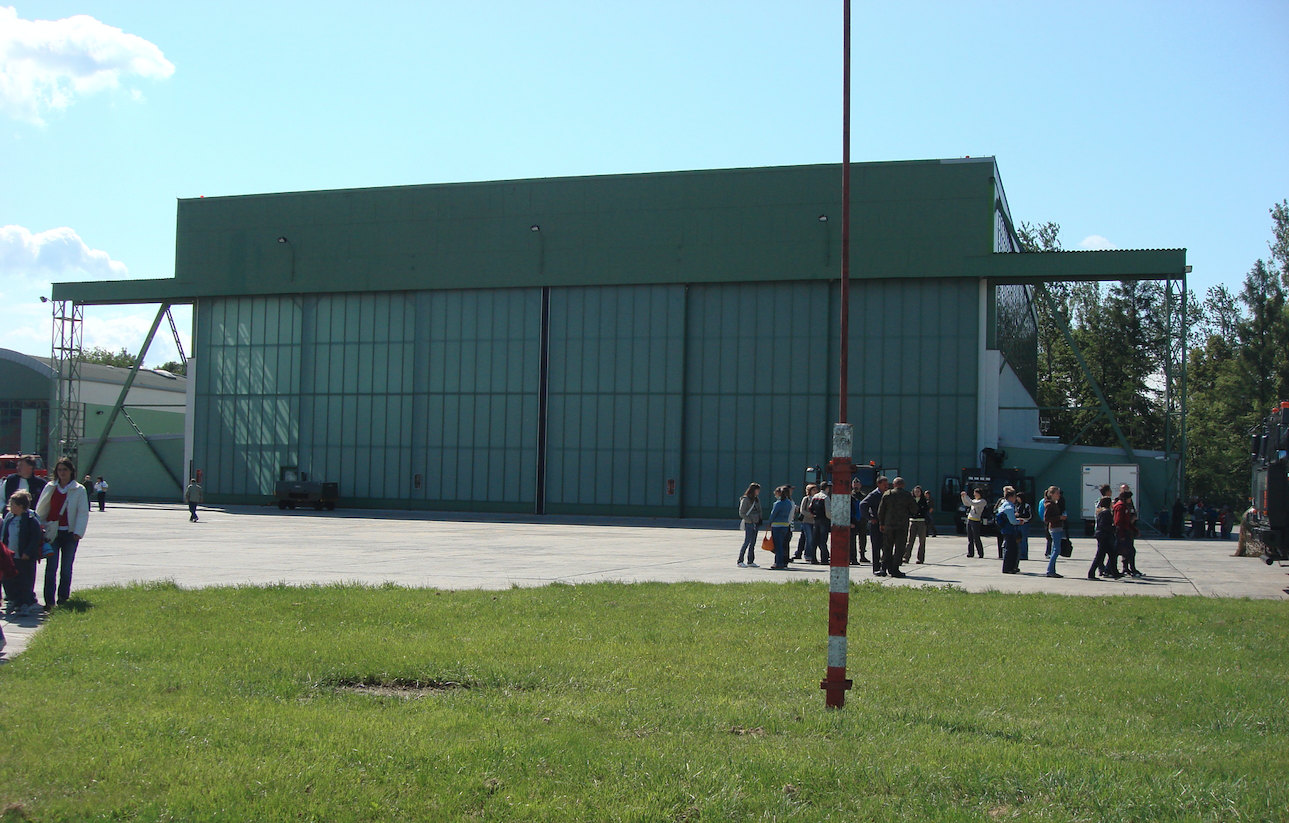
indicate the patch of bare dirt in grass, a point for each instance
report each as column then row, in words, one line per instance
column 743, row 731
column 397, row 687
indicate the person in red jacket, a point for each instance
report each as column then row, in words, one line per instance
column 1125, row 530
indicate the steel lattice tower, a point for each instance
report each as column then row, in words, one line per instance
column 67, row 424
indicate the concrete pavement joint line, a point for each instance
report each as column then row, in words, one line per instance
column 1174, row 568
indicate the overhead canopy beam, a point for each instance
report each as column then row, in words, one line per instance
column 1051, row 266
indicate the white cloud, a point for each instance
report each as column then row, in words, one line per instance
column 28, row 328
column 30, row 262
column 117, row 327
column 54, row 254
column 45, row 64
column 1095, row 242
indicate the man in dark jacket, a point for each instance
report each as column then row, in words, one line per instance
column 893, row 513
column 24, row 478
column 1106, row 561
column 858, row 528
column 823, row 526
column 868, row 511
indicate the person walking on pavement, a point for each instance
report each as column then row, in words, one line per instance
column 858, row 528
column 868, row 511
column 1106, row 561
column 1125, row 526
column 193, row 496
column 975, row 517
column 917, row 526
column 1054, row 517
column 1008, row 524
column 893, row 513
column 100, row 493
column 66, row 503
column 781, row 525
column 749, row 512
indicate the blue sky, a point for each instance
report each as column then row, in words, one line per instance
column 1132, row 124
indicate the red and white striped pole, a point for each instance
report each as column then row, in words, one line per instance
column 835, row 683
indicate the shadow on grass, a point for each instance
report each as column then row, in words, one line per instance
column 76, row 605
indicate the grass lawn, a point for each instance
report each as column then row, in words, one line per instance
column 647, row 702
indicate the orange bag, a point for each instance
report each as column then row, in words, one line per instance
column 767, row 543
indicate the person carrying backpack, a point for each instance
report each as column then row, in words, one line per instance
column 823, row 526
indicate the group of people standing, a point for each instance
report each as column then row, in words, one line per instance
column 44, row 521
column 1012, row 515
column 887, row 520
column 1205, row 520
column 1116, row 530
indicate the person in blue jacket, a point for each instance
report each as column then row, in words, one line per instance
column 781, row 525
column 1008, row 527
column 22, row 532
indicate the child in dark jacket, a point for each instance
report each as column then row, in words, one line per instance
column 22, row 531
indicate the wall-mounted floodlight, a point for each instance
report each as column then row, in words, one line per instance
column 292, row 248
column 823, row 218
column 534, row 227
column 1188, row 269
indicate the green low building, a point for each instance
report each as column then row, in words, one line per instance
column 642, row 344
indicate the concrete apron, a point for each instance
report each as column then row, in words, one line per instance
column 259, row 546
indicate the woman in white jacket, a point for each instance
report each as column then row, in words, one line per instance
column 66, row 503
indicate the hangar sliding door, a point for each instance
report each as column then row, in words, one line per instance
column 615, row 385
column 474, row 439
column 760, row 377
column 247, row 404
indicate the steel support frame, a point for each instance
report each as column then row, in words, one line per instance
column 97, row 450
column 67, row 423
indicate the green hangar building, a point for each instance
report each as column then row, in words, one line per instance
column 642, row 344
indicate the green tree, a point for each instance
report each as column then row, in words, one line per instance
column 1280, row 239
column 106, row 357
column 1239, row 370
column 1120, row 330
column 174, row 367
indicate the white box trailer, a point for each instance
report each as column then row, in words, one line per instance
column 1095, row 475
